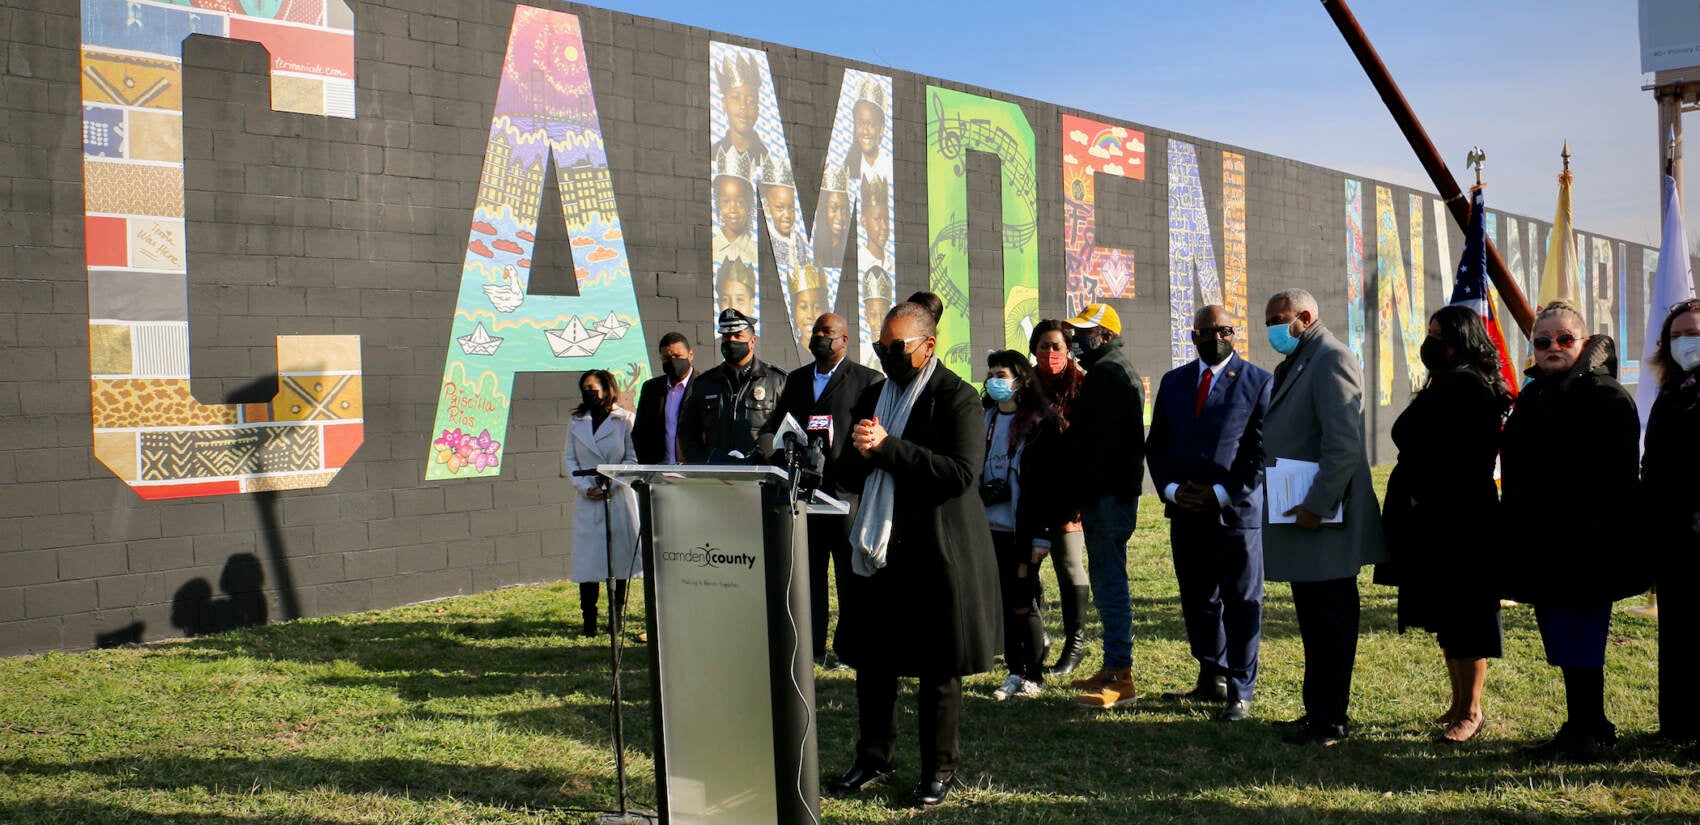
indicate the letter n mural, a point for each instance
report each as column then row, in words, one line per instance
column 149, row 429
column 545, row 113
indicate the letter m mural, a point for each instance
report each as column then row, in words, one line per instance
column 149, row 429
column 545, row 116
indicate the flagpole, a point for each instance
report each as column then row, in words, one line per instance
column 1426, row 154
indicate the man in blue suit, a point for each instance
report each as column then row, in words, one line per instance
column 1205, row 452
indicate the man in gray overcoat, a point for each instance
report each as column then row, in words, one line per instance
column 1316, row 414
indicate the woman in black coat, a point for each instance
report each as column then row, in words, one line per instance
column 1670, row 475
column 1442, row 512
column 1571, row 478
column 932, row 610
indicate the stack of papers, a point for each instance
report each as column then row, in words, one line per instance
column 1286, row 481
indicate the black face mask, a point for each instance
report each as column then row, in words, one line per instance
column 1433, row 353
column 820, row 346
column 734, row 351
column 676, row 368
column 593, row 398
column 896, row 363
column 1212, row 350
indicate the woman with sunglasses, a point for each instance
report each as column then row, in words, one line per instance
column 1022, row 452
column 1441, row 515
column 1669, row 460
column 1060, row 377
column 1574, row 429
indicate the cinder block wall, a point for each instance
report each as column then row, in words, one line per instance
column 302, row 225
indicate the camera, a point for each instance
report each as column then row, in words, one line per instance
column 995, row 491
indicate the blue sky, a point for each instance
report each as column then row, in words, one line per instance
column 1274, row 76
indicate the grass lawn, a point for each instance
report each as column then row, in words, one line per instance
column 490, row 708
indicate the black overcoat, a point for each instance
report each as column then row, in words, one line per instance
column 1441, row 515
column 935, row 607
column 1669, row 461
column 1570, row 482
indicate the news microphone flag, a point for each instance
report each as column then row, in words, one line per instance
column 1672, row 282
column 1470, row 286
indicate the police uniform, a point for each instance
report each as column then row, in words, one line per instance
column 726, row 406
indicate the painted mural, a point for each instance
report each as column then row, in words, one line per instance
column 149, row 429
column 958, row 122
column 1399, row 294
column 1355, row 269
column 1192, row 255
column 750, row 157
column 545, row 118
column 1094, row 272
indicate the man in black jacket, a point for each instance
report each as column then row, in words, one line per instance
column 819, row 399
column 1106, row 436
column 655, row 434
column 726, row 406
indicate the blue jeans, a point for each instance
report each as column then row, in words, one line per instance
column 1109, row 524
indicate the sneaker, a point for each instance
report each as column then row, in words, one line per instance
column 1010, row 687
column 1029, row 690
column 1118, row 691
column 1096, row 681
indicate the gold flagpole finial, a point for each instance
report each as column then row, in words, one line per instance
column 1475, row 160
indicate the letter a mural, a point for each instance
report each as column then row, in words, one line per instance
column 149, row 429
column 545, row 111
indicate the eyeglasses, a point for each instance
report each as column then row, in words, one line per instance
column 1564, row 341
column 896, row 348
column 1223, row 333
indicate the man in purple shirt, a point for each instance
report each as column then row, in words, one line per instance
column 656, row 431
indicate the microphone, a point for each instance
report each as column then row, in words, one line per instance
column 821, row 426
column 586, row 473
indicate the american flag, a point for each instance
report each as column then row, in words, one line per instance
column 1470, row 287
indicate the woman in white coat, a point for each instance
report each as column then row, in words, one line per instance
column 601, row 433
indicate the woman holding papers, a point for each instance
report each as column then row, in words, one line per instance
column 1441, row 515
column 1571, row 476
column 1668, row 464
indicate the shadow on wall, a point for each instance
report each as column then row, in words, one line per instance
column 196, row 611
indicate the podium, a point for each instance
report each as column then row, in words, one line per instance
column 725, row 552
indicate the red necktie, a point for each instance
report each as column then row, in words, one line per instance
column 1203, row 393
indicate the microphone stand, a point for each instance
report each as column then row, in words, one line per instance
column 616, row 615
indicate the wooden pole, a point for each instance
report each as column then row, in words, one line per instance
column 1427, row 154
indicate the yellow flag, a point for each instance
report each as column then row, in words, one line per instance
column 1558, row 276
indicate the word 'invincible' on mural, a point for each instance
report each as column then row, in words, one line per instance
column 153, row 434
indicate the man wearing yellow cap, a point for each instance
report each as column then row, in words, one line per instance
column 1106, row 437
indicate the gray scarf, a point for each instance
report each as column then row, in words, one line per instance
column 870, row 533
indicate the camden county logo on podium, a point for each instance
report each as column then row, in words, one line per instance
column 707, row 555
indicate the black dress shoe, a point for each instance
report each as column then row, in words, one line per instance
column 1235, row 711
column 932, row 792
column 1317, row 733
column 856, row 779
column 1214, row 690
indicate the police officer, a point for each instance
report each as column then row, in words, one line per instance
column 726, row 407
